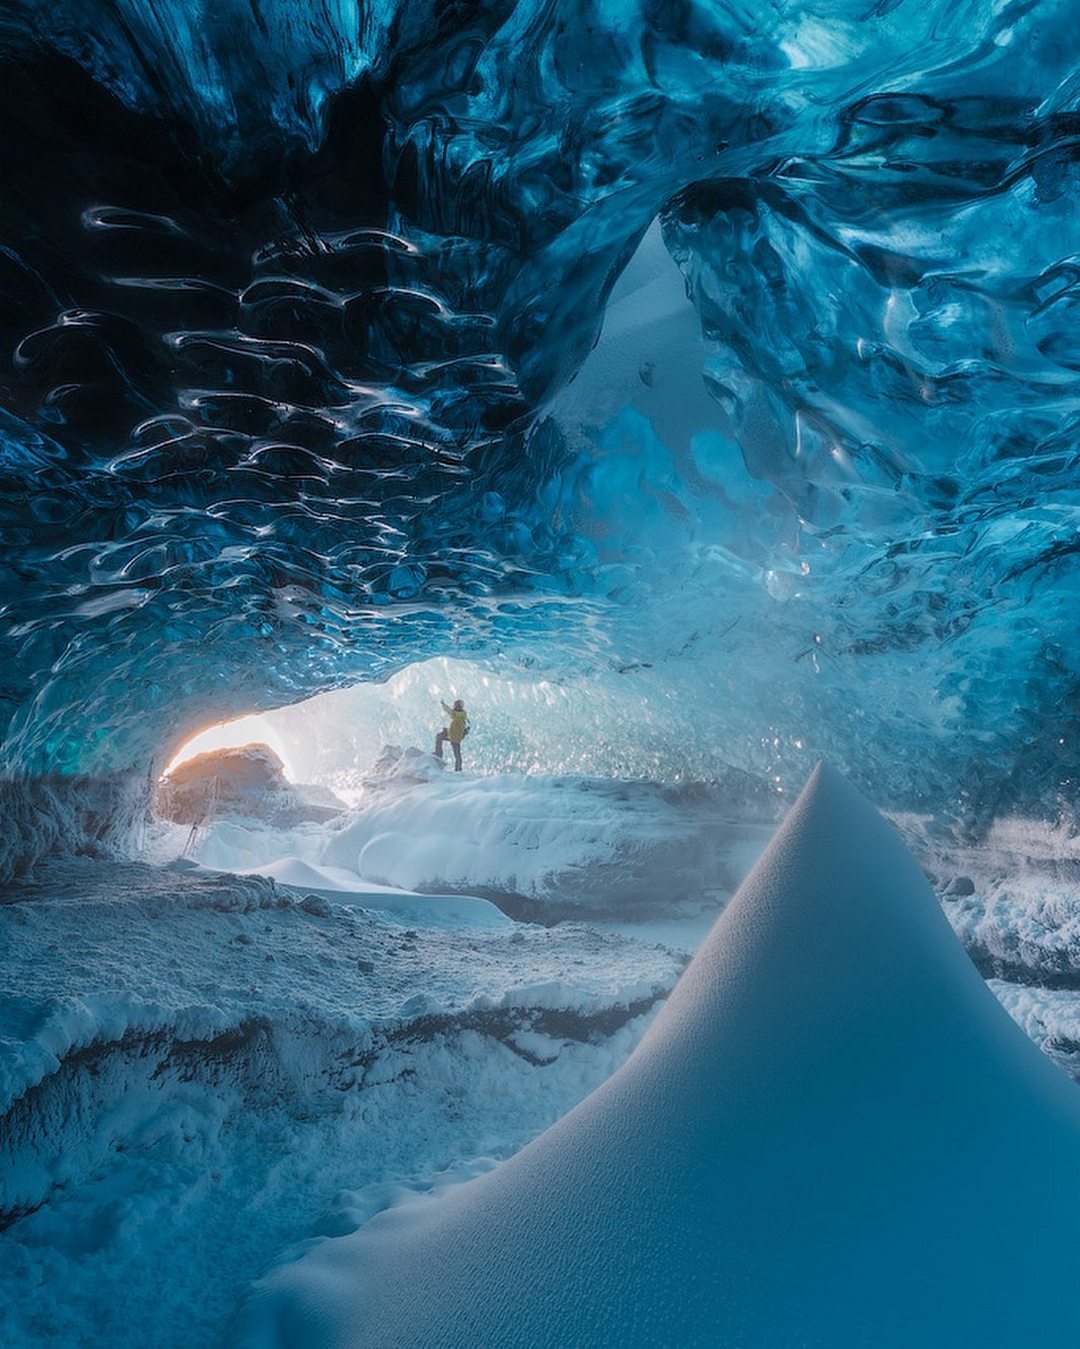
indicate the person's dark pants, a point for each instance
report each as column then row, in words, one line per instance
column 455, row 745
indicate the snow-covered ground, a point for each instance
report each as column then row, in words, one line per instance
column 544, row 848
column 197, row 1070
column 202, row 1070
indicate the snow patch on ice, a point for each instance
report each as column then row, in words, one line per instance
column 335, row 884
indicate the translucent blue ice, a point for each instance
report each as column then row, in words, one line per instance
column 292, row 299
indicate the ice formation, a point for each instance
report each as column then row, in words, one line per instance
column 832, row 1135
column 197, row 1071
column 248, row 781
column 296, row 311
column 691, row 387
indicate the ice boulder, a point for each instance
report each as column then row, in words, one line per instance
column 247, row 781
column 395, row 764
column 832, row 1136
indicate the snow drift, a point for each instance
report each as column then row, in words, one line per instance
column 832, row 1136
column 543, row 848
column 560, row 846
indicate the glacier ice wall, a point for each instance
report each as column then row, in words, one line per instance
column 292, row 303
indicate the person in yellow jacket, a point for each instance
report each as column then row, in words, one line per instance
column 455, row 732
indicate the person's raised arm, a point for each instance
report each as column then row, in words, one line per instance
column 445, row 708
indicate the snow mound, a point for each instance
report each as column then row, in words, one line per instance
column 832, row 1136
column 554, row 846
column 543, row 848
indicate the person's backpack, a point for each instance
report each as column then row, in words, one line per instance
column 465, row 732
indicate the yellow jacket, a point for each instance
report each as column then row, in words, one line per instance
column 459, row 724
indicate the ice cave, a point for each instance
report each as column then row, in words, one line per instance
column 665, row 413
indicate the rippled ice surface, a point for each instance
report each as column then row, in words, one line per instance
column 296, row 385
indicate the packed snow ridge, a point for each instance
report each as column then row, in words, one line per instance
column 831, row 1136
column 543, row 848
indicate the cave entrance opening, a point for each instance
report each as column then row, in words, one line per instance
column 254, row 729
column 525, row 720
column 292, row 782
column 581, row 793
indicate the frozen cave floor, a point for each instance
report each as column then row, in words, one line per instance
column 284, row 1053
column 201, row 1071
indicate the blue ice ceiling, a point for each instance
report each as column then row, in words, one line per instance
column 298, row 305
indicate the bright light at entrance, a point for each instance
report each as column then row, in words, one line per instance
column 255, row 729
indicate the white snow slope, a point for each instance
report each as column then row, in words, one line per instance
column 832, row 1136
column 547, row 847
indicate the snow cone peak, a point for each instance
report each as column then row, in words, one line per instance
column 828, row 789
column 835, row 909
column 807, row 1148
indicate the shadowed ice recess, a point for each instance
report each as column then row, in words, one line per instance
column 297, row 314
